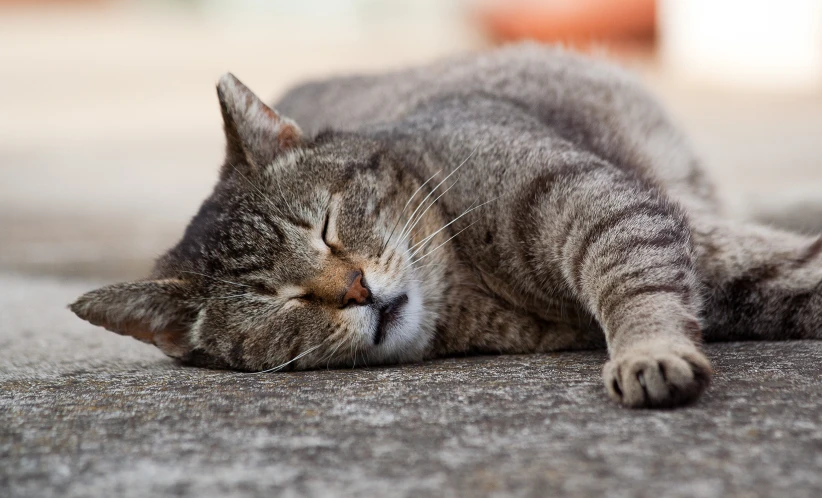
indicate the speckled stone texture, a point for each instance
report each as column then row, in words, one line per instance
column 84, row 412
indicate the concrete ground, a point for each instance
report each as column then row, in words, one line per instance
column 87, row 413
column 110, row 137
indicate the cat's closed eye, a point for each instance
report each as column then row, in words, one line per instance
column 306, row 296
column 328, row 233
column 324, row 233
column 288, row 293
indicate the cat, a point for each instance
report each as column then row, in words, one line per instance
column 522, row 200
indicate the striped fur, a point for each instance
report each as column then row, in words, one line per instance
column 524, row 200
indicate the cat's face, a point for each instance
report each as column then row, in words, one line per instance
column 303, row 256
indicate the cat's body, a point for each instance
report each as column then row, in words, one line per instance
column 573, row 215
column 516, row 117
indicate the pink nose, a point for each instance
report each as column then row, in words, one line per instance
column 356, row 292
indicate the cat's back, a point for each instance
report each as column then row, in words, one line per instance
column 549, row 80
column 593, row 105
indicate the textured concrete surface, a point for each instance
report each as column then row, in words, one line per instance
column 99, row 177
column 84, row 412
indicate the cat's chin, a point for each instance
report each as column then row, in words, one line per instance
column 398, row 335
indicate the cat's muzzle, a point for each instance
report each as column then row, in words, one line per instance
column 389, row 312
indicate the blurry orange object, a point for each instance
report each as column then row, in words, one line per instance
column 572, row 21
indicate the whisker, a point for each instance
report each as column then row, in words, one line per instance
column 331, row 355
column 429, row 237
column 422, row 229
column 434, row 249
column 419, row 218
column 413, row 214
column 278, row 367
column 448, row 224
column 399, row 217
column 352, row 347
column 365, row 357
column 428, row 265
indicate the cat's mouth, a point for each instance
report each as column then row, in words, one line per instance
column 389, row 313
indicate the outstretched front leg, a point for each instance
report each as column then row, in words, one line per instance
column 621, row 250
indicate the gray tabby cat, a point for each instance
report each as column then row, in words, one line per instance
column 523, row 200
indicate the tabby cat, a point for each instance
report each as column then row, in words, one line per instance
column 519, row 201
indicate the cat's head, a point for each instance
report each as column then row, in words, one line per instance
column 305, row 254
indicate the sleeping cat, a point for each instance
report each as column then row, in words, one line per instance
column 523, row 200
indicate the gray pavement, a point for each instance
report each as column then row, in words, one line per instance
column 84, row 412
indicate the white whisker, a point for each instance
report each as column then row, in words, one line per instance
column 413, row 214
column 428, row 265
column 399, row 217
column 419, row 218
column 365, row 357
column 447, row 225
column 434, row 249
column 353, row 347
column 426, row 239
column 278, row 367
column 331, row 355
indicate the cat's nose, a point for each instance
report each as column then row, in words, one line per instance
column 357, row 292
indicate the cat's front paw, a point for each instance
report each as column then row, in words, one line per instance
column 657, row 377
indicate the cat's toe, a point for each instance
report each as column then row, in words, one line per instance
column 655, row 378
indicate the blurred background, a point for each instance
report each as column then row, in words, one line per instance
column 110, row 133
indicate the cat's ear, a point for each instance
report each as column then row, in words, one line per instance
column 158, row 312
column 255, row 133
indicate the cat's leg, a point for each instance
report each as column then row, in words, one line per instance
column 624, row 252
column 762, row 283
